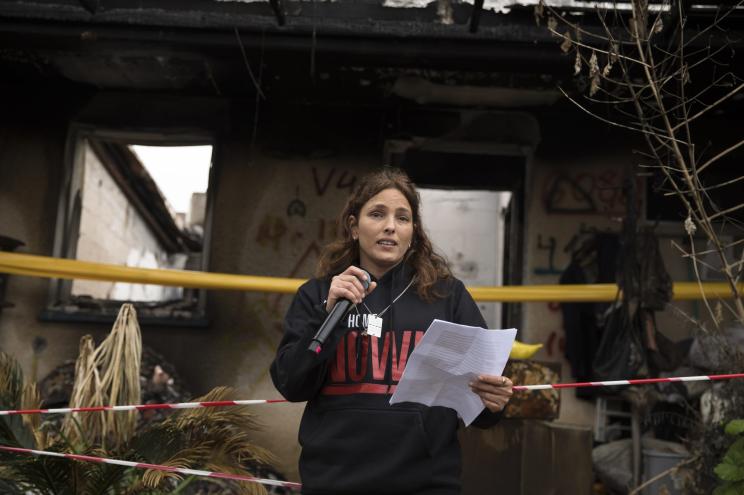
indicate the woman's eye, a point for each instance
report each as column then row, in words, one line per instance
column 375, row 214
column 403, row 219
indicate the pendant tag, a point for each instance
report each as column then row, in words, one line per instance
column 374, row 325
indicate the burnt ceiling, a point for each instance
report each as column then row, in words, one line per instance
column 358, row 49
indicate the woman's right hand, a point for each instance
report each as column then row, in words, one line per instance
column 348, row 285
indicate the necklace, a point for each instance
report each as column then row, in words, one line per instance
column 374, row 320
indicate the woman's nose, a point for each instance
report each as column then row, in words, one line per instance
column 390, row 224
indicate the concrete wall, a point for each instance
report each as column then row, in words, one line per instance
column 570, row 192
column 113, row 231
column 577, row 188
column 31, row 159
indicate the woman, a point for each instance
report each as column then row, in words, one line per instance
column 353, row 440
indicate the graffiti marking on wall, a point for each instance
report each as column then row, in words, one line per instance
column 346, row 180
column 563, row 194
column 270, row 231
column 310, row 255
column 597, row 192
column 551, row 342
column 302, row 238
column 548, row 246
column 296, row 206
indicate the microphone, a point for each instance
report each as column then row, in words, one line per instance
column 337, row 312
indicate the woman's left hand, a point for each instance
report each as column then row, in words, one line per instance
column 494, row 391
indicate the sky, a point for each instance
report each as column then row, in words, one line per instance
column 177, row 170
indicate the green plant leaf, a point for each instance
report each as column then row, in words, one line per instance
column 100, row 479
column 10, row 488
column 735, row 427
column 731, row 467
column 729, row 488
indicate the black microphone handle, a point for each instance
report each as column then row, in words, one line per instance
column 338, row 311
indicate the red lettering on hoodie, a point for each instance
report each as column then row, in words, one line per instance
column 419, row 336
column 338, row 367
column 379, row 362
column 399, row 363
column 379, row 357
column 356, row 375
column 400, row 359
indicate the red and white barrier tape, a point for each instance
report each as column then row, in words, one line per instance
column 287, row 484
column 157, row 467
column 642, row 381
column 223, row 403
column 142, row 407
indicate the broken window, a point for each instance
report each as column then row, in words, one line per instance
column 138, row 201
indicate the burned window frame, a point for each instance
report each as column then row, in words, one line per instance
column 67, row 229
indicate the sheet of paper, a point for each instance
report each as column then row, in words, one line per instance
column 446, row 360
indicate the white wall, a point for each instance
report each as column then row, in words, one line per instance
column 112, row 231
column 467, row 227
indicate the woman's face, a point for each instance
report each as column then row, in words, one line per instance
column 384, row 230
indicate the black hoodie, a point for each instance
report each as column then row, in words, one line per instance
column 353, row 440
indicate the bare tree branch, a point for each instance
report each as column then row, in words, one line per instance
column 653, row 81
column 726, row 246
column 716, row 22
column 588, row 47
column 645, row 131
column 720, row 155
column 727, row 211
column 723, row 184
column 713, row 105
column 696, row 256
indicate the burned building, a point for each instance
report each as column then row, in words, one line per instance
column 298, row 99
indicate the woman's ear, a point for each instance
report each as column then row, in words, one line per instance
column 353, row 227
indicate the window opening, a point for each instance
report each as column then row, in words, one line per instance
column 141, row 205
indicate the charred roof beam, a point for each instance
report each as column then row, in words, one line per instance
column 278, row 7
column 475, row 15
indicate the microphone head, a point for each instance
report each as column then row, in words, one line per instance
column 366, row 280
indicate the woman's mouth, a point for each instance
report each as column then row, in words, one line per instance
column 387, row 243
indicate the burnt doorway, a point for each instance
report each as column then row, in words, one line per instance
column 483, row 187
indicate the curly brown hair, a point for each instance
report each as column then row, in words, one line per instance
column 428, row 265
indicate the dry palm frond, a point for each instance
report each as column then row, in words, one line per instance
column 186, row 458
column 86, row 392
column 108, row 375
column 120, row 368
column 30, row 399
column 238, row 416
column 216, row 439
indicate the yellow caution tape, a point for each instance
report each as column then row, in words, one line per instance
column 44, row 266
